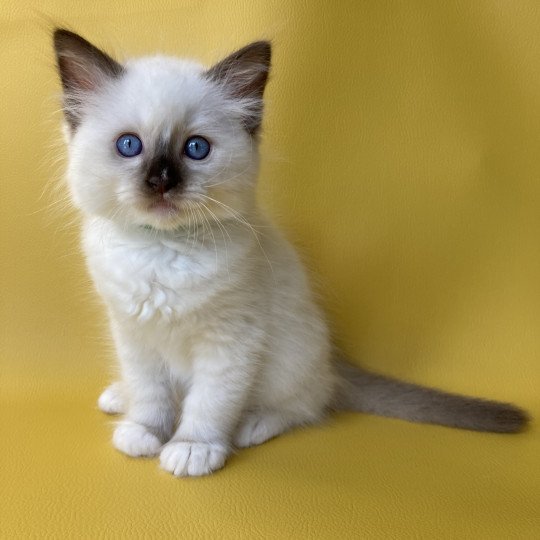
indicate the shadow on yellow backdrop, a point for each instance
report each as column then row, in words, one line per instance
column 401, row 155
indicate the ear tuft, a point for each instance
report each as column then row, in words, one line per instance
column 83, row 69
column 244, row 75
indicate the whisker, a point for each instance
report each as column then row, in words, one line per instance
column 213, row 238
column 243, row 221
column 222, row 229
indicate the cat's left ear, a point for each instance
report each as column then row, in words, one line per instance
column 83, row 69
column 243, row 75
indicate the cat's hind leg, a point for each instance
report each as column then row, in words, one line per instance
column 264, row 424
column 112, row 399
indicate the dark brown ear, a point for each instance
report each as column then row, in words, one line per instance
column 243, row 74
column 83, row 69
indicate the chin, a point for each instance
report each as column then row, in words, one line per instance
column 160, row 214
column 163, row 222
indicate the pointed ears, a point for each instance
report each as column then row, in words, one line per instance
column 83, row 68
column 243, row 75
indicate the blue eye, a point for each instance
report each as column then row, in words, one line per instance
column 129, row 145
column 197, row 147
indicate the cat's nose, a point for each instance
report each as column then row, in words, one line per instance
column 164, row 181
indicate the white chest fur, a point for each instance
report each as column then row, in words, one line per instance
column 146, row 280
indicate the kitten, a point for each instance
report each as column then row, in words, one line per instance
column 219, row 340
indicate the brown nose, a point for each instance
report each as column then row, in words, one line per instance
column 164, row 181
column 163, row 174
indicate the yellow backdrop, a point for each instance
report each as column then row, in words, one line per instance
column 401, row 154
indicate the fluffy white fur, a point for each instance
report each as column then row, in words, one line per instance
column 219, row 340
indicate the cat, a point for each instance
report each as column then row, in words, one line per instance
column 219, row 340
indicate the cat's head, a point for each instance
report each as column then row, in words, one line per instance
column 160, row 141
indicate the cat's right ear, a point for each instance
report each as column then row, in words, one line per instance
column 83, row 69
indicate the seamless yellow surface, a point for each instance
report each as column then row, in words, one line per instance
column 401, row 154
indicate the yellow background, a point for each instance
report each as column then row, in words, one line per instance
column 401, row 154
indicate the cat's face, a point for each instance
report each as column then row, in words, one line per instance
column 160, row 141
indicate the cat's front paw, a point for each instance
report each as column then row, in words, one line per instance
column 135, row 440
column 193, row 458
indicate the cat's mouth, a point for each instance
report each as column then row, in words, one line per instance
column 161, row 212
column 163, row 206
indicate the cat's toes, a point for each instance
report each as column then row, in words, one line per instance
column 135, row 440
column 193, row 458
column 111, row 400
column 258, row 428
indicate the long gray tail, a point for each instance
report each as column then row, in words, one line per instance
column 362, row 391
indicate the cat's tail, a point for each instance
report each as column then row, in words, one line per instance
column 362, row 391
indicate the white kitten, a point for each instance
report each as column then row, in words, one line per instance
column 219, row 340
